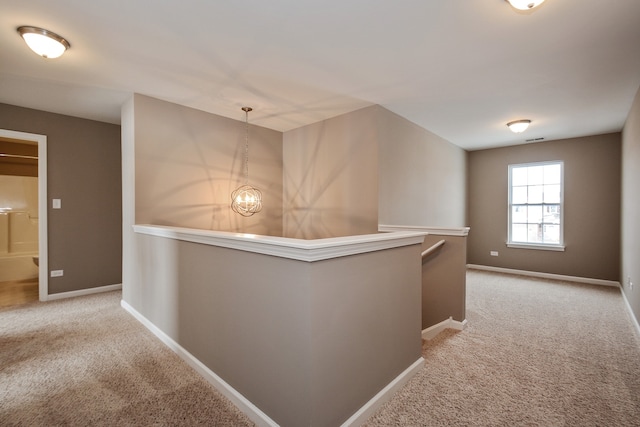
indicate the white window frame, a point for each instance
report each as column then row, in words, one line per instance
column 543, row 246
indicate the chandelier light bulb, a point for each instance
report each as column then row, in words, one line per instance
column 44, row 42
column 246, row 200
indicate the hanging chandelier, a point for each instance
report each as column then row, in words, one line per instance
column 246, row 200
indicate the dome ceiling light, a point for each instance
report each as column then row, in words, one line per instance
column 525, row 4
column 44, row 42
column 518, row 126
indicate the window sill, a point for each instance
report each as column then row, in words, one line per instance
column 558, row 248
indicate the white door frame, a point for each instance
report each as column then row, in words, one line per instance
column 41, row 140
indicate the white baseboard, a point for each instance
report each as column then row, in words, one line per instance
column 82, row 292
column 248, row 408
column 631, row 314
column 383, row 395
column 545, row 275
column 432, row 331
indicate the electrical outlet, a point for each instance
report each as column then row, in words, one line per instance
column 493, row 253
column 57, row 273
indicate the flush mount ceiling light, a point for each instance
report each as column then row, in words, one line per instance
column 525, row 4
column 246, row 200
column 518, row 126
column 44, row 42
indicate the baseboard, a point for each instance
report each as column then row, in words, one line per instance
column 243, row 404
column 370, row 408
column 82, row 292
column 431, row 332
column 631, row 313
column 545, row 275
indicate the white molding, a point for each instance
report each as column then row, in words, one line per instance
column 431, row 332
column 43, row 261
column 284, row 247
column 369, row 408
column 82, row 292
column 537, row 247
column 634, row 320
column 248, row 408
column 438, row 231
column 545, row 275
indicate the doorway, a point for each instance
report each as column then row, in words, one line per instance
column 42, row 257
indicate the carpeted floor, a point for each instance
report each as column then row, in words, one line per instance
column 86, row 362
column 535, row 353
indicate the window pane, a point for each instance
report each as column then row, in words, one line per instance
column 552, row 193
column 519, row 176
column 519, row 214
column 535, row 198
column 551, row 234
column 519, row 195
column 535, row 214
column 552, row 174
column 534, row 233
column 551, row 214
column 518, row 233
column 536, row 174
column 535, row 193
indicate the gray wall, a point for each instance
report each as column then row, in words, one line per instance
column 330, row 177
column 187, row 163
column 308, row 343
column 83, row 169
column 591, row 210
column 422, row 177
column 444, row 280
column 346, row 175
column 630, row 265
column 179, row 167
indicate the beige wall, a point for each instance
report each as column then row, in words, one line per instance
column 179, row 167
column 308, row 343
column 83, row 169
column 422, row 177
column 630, row 265
column 187, row 163
column 591, row 210
column 330, row 177
column 444, row 280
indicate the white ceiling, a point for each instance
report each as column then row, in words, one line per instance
column 458, row 68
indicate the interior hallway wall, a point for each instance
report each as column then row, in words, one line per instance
column 591, row 207
column 83, row 159
column 330, row 177
column 630, row 229
column 422, row 177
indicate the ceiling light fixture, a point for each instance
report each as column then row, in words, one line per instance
column 44, row 42
column 525, row 4
column 518, row 126
column 246, row 200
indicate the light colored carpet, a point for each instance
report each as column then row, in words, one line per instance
column 535, row 353
column 86, row 362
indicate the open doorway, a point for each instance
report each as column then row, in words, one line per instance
column 20, row 250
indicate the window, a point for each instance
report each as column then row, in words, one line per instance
column 535, row 205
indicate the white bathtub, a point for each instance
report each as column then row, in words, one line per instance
column 18, row 245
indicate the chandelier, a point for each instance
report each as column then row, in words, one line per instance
column 246, row 200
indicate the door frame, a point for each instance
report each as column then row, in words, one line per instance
column 43, row 255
